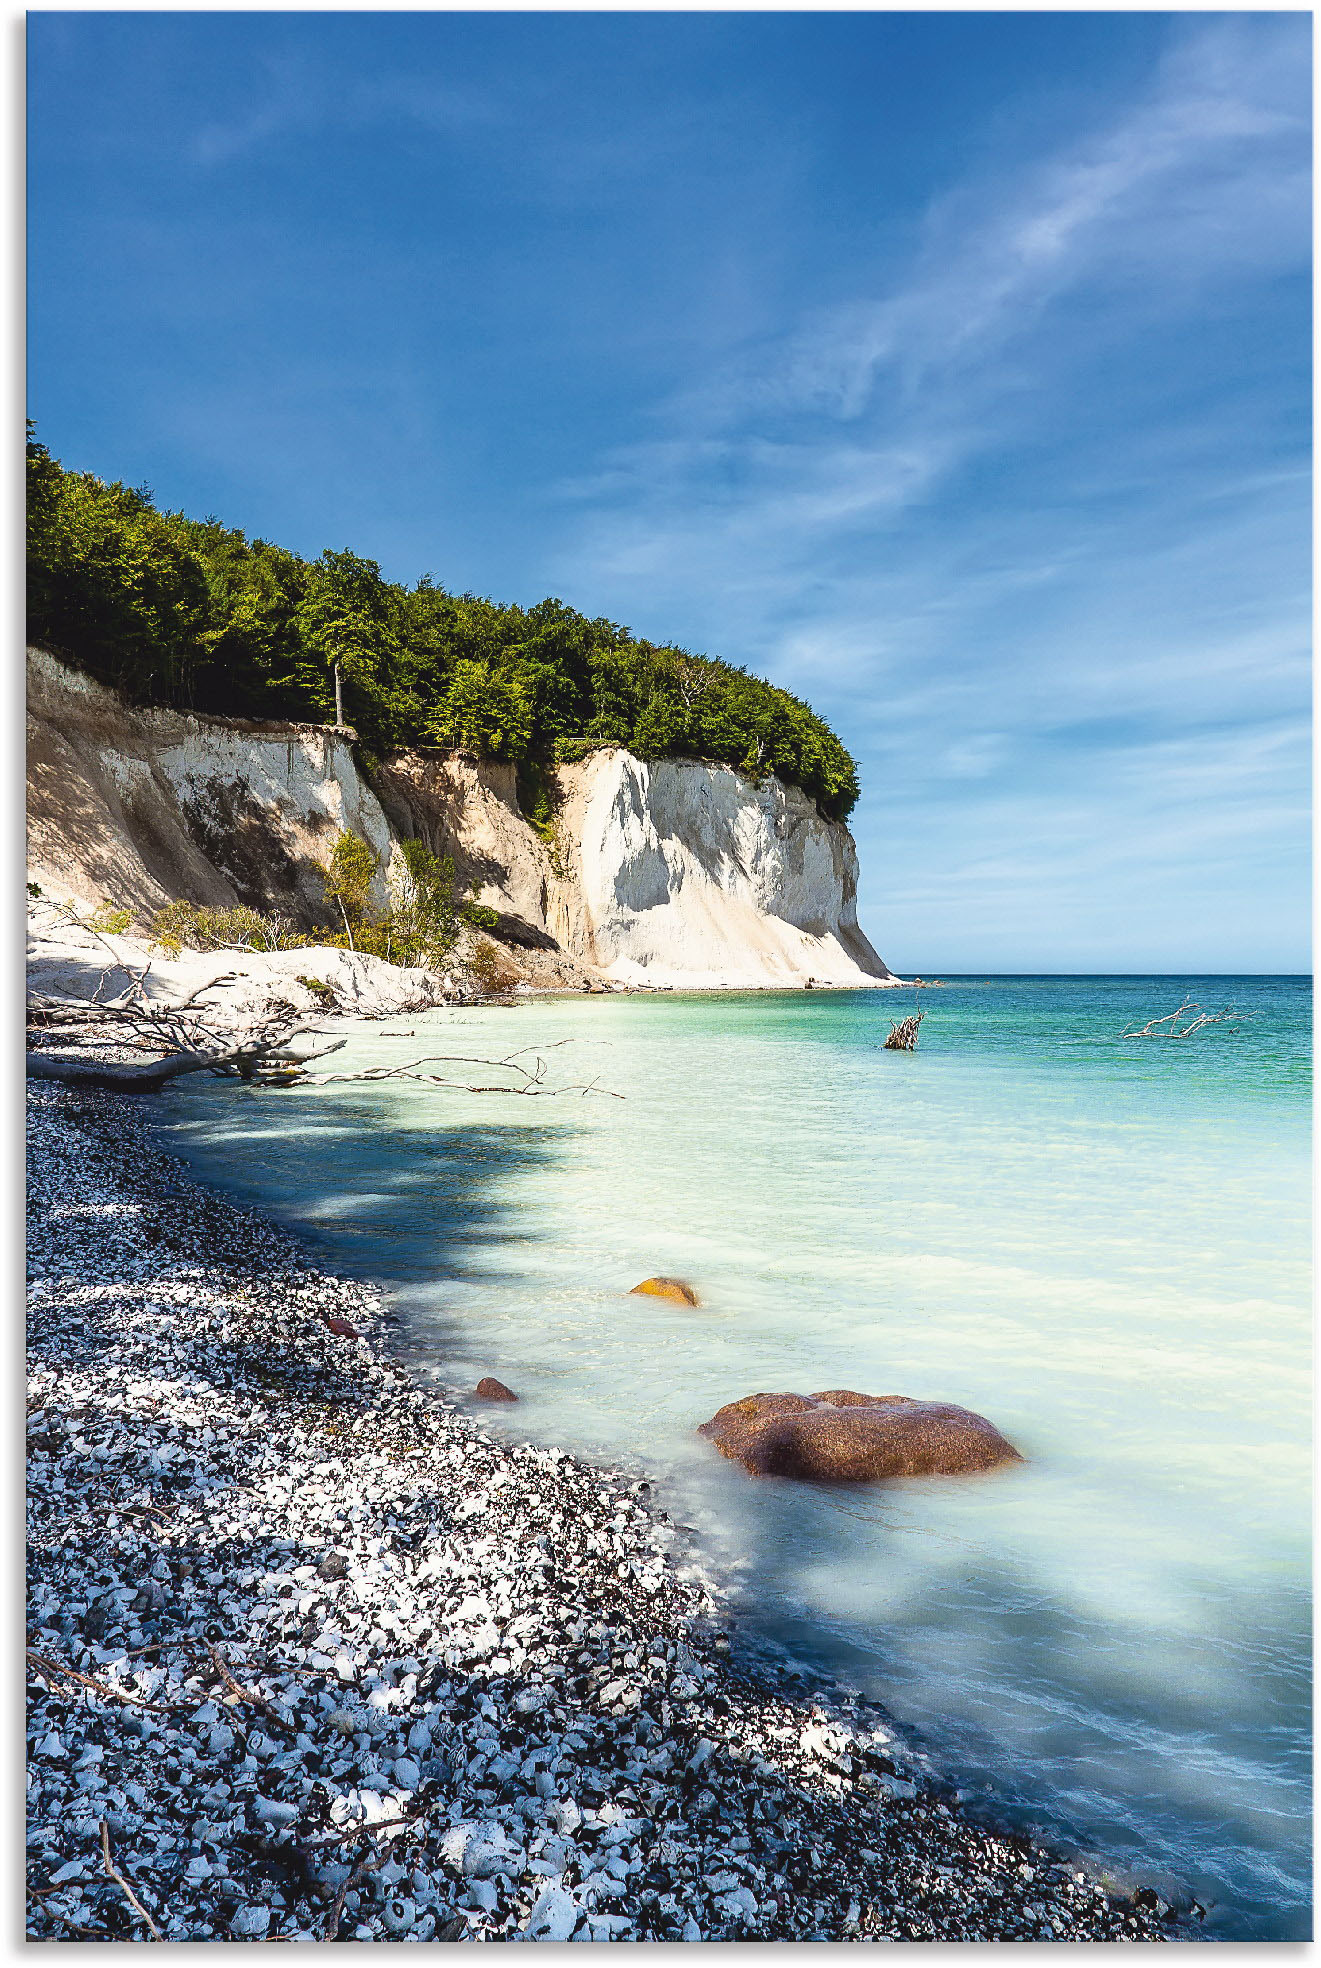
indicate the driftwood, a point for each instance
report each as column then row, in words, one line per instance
column 181, row 1032
column 903, row 1036
column 532, row 1078
column 1168, row 1027
column 54, row 1671
column 185, row 1038
column 245, row 1061
column 113, row 1872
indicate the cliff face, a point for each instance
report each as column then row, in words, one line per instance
column 672, row 872
column 690, row 874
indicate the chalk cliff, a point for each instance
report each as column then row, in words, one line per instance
column 664, row 873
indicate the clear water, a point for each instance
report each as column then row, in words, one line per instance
column 1101, row 1244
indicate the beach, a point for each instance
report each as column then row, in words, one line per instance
column 315, row 1655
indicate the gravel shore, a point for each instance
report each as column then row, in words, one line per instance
column 312, row 1656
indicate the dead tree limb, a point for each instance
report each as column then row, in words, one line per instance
column 1168, row 1027
column 53, row 1671
column 355, row 1878
column 114, row 1873
column 533, row 1078
column 246, row 1061
column 903, row 1036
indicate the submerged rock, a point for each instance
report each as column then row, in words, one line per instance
column 842, row 1437
column 677, row 1289
column 490, row 1389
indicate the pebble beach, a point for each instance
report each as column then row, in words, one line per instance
column 314, row 1656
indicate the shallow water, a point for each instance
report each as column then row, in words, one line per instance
column 1101, row 1244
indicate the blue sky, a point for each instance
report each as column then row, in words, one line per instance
column 950, row 369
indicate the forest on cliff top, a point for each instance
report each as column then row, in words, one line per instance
column 195, row 615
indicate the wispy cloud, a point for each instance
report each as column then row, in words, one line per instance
column 297, row 97
column 986, row 501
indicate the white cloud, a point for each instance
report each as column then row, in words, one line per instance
column 875, row 508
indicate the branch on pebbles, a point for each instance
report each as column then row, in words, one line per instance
column 354, row 1878
column 113, row 1872
column 264, row 1053
column 248, row 1695
column 53, row 1672
column 351, row 1832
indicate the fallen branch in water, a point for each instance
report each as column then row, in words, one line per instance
column 533, row 1077
column 1198, row 1019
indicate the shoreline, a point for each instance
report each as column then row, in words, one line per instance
column 352, row 1667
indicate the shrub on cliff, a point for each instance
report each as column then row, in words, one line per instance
column 192, row 613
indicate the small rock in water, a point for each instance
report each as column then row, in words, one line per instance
column 490, row 1389
column 677, row 1290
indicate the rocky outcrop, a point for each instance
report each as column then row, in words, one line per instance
column 843, row 1437
column 669, row 873
column 144, row 807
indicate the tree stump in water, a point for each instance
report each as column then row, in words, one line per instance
column 903, row 1036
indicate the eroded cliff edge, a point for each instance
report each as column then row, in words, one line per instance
column 671, row 872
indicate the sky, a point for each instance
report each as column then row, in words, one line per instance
column 950, row 369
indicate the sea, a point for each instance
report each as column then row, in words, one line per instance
column 1099, row 1241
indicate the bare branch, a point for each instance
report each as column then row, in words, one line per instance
column 533, row 1077
column 120, row 1881
column 368, row 1859
column 248, row 1695
column 903, row 1036
column 52, row 1671
column 1198, row 1020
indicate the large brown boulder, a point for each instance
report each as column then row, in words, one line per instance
column 677, row 1289
column 843, row 1437
column 491, row 1389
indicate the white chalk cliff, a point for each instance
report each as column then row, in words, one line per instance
column 691, row 875
column 670, row 873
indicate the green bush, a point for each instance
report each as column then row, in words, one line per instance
column 201, row 928
column 480, row 916
column 178, row 611
column 492, row 971
column 109, row 920
column 349, row 880
column 421, row 927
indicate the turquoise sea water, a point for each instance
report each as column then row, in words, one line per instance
column 1102, row 1244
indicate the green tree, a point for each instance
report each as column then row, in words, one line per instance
column 349, row 880
column 484, row 713
column 191, row 612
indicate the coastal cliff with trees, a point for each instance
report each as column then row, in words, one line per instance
column 193, row 615
column 212, row 720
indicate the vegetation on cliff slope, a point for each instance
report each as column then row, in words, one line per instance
column 194, row 614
